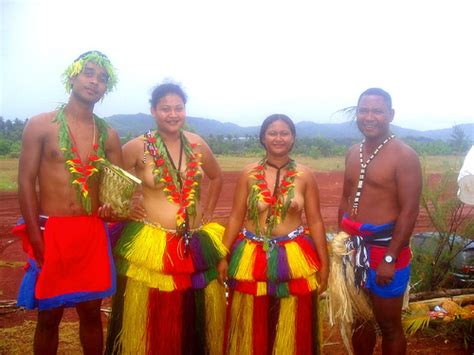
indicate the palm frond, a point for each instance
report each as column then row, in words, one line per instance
column 415, row 321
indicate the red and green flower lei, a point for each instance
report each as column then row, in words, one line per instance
column 183, row 191
column 80, row 172
column 279, row 202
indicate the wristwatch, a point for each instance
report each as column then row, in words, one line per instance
column 389, row 259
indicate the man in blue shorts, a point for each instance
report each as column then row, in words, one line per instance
column 378, row 209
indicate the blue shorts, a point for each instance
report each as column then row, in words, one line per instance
column 394, row 289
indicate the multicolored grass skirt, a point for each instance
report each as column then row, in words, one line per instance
column 78, row 265
column 274, row 304
column 168, row 300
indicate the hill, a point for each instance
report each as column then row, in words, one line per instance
column 137, row 124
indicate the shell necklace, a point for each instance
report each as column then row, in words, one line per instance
column 363, row 170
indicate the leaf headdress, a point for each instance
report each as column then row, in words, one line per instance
column 78, row 65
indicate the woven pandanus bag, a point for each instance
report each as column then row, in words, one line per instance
column 116, row 187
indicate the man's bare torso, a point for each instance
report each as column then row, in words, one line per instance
column 378, row 201
column 57, row 196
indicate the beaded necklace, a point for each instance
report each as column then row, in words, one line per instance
column 81, row 171
column 363, row 170
column 279, row 200
column 181, row 190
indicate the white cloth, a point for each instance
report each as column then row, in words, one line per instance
column 466, row 179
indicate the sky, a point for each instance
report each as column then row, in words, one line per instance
column 240, row 61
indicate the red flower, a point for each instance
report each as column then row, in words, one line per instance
column 95, row 147
column 263, row 186
column 151, row 139
column 94, row 158
column 259, row 176
column 270, row 200
column 186, row 203
column 285, row 183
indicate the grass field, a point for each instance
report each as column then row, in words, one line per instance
column 433, row 164
column 8, row 174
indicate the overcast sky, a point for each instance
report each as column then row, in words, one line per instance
column 240, row 61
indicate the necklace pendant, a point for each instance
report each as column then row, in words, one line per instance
column 266, row 245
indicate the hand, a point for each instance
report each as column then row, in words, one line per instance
column 107, row 213
column 323, row 275
column 222, row 267
column 206, row 217
column 137, row 211
column 37, row 245
column 384, row 273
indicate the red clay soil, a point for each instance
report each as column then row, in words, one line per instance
column 330, row 187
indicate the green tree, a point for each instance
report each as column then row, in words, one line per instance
column 458, row 140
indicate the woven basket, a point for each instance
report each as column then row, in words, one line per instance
column 116, row 187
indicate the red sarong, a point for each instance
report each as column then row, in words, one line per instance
column 77, row 262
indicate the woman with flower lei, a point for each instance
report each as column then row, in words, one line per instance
column 276, row 268
column 168, row 300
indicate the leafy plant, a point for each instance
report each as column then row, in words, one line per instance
column 454, row 227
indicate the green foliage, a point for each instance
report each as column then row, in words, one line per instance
column 416, row 321
column 10, row 137
column 250, row 145
column 454, row 226
column 429, row 147
column 459, row 142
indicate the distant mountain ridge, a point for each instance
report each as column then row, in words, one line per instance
column 137, row 124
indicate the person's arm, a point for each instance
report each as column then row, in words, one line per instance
column 113, row 153
column 213, row 171
column 132, row 153
column 28, row 169
column 344, row 203
column 408, row 184
column 236, row 219
column 316, row 226
column 113, row 150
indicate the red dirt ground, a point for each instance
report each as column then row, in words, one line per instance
column 330, row 186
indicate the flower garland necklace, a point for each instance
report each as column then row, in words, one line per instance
column 183, row 191
column 279, row 200
column 81, row 172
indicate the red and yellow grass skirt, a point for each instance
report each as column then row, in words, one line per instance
column 168, row 300
column 274, row 305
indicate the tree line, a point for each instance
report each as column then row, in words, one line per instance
column 458, row 144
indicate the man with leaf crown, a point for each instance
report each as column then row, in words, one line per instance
column 69, row 258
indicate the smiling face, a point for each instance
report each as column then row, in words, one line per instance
column 169, row 113
column 278, row 139
column 90, row 84
column 374, row 117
